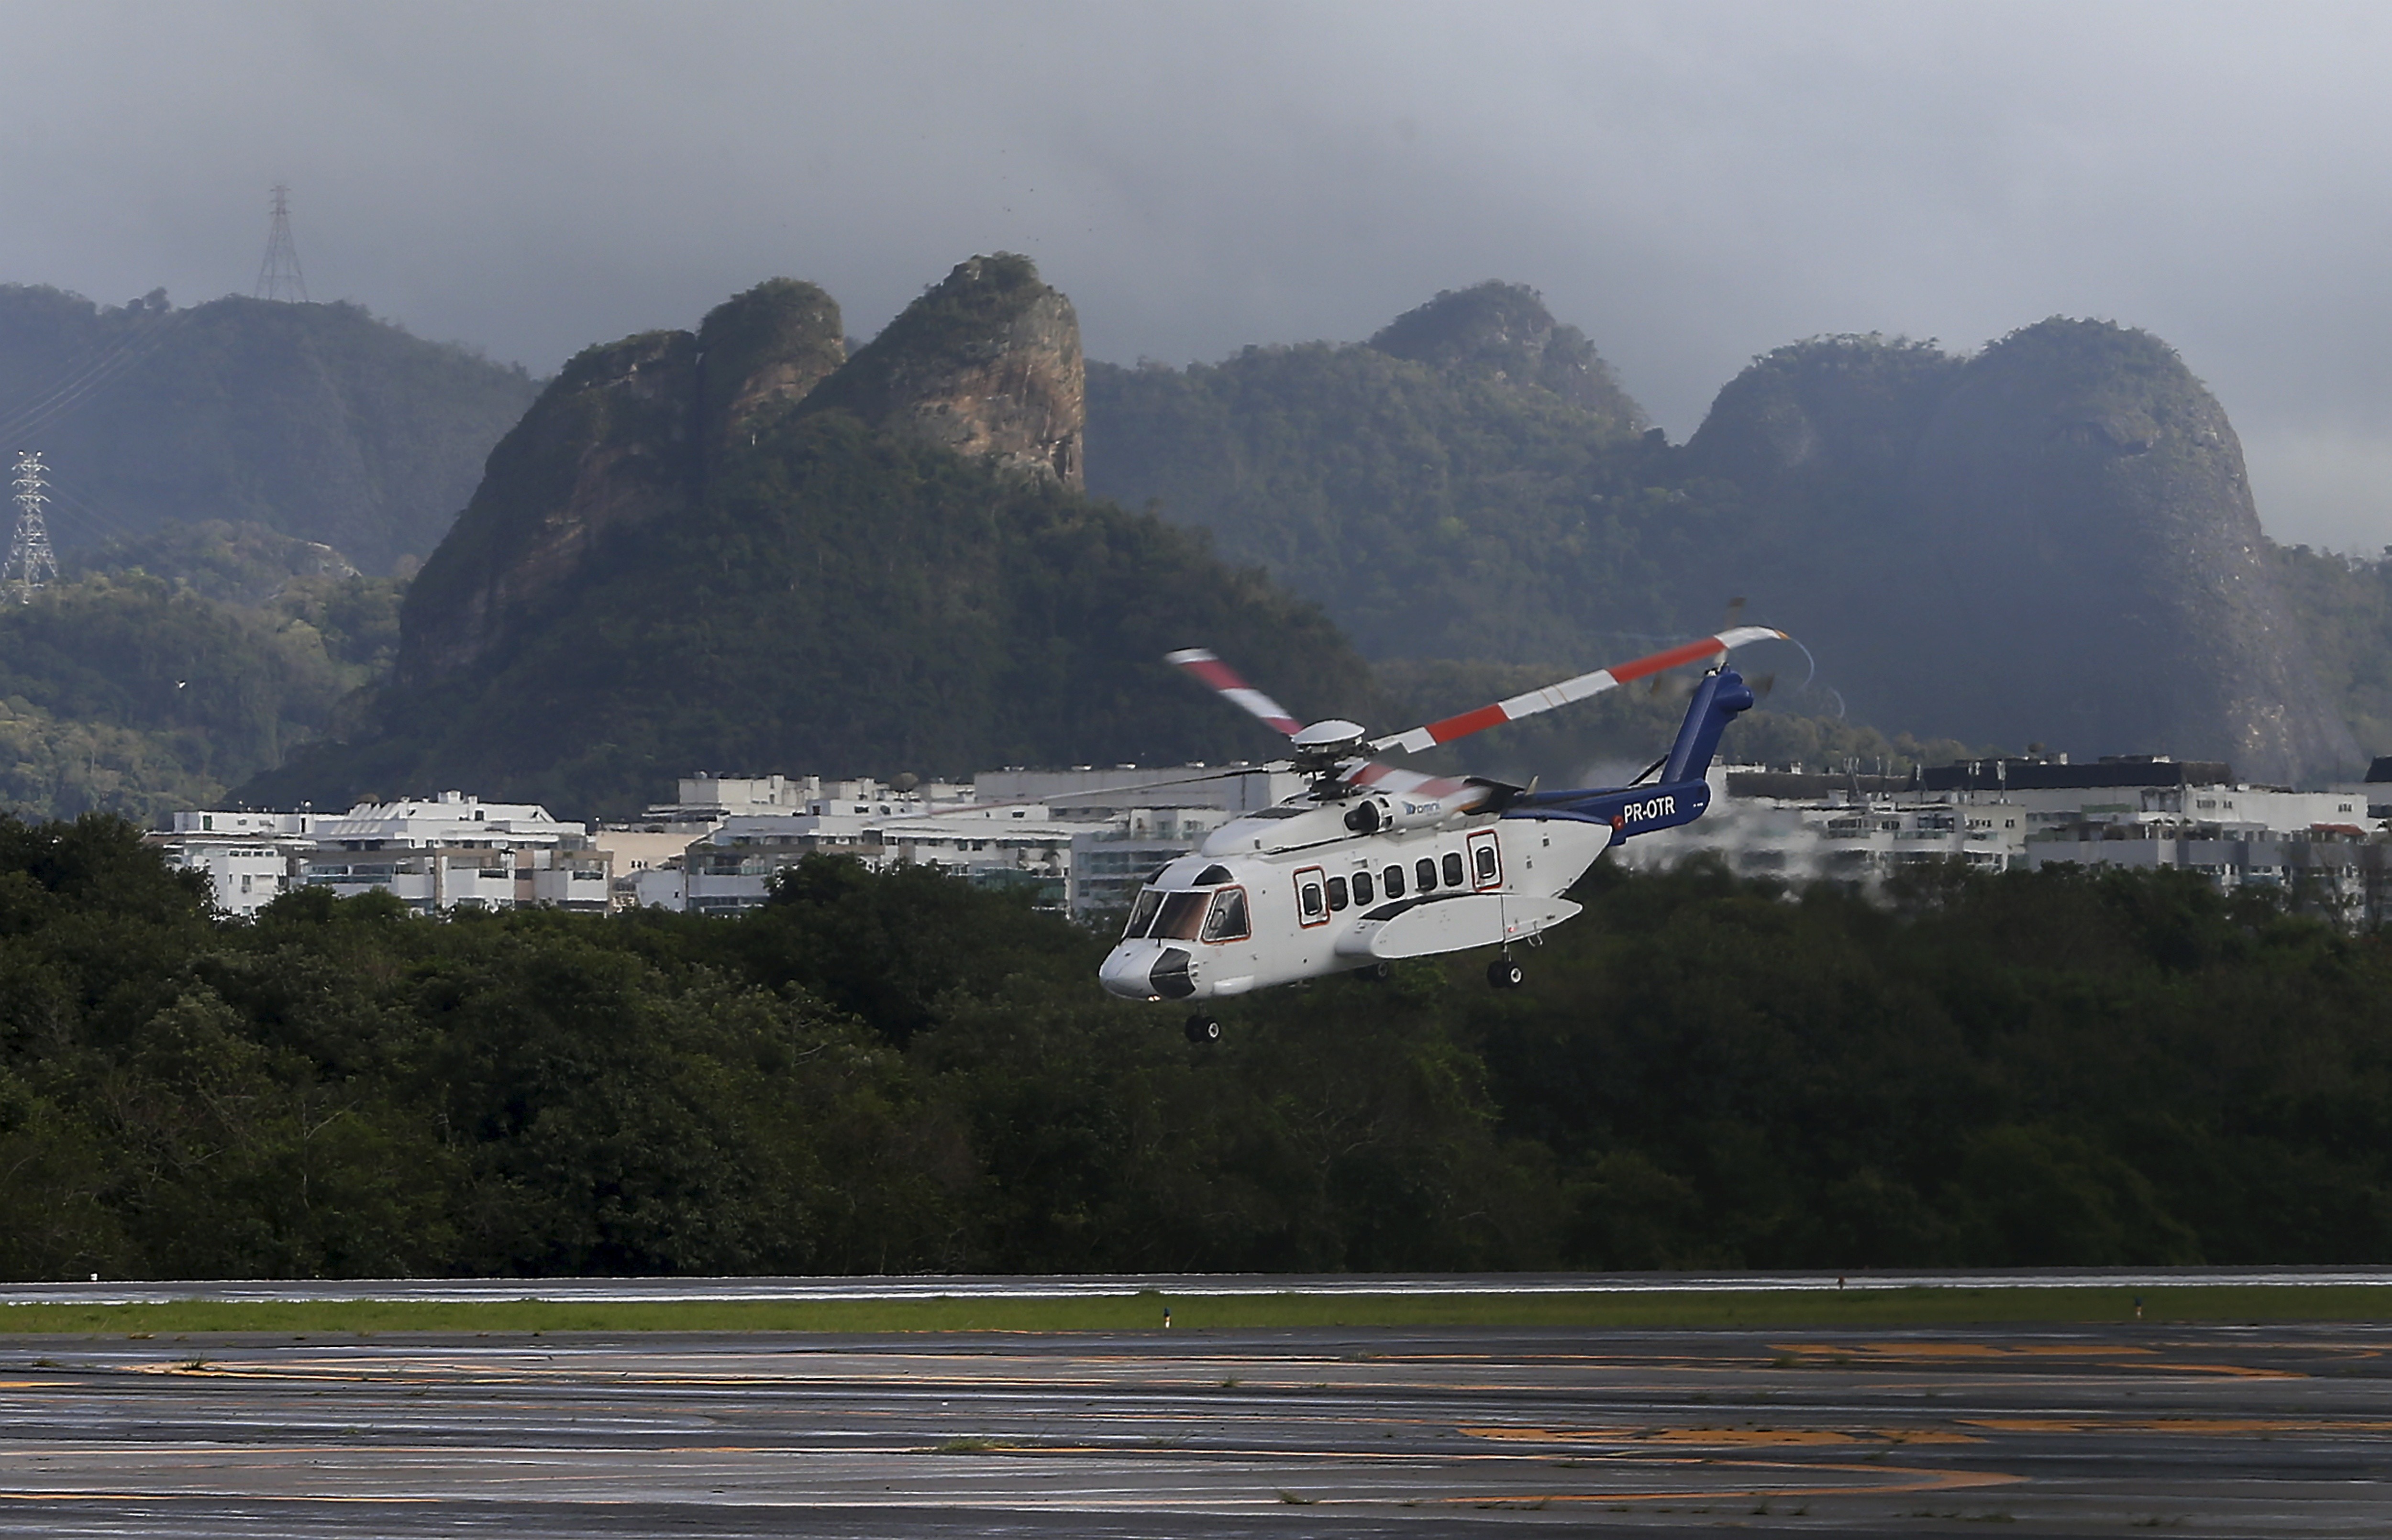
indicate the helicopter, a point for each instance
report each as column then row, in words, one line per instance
column 1370, row 863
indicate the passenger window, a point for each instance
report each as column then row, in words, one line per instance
column 1486, row 854
column 1337, row 893
column 1394, row 879
column 1453, row 868
column 1424, row 872
column 1363, row 893
column 1227, row 920
column 1308, row 898
column 1141, row 918
column 1182, row 913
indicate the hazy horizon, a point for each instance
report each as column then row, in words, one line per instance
column 1691, row 183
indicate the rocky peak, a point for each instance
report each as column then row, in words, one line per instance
column 1836, row 404
column 765, row 349
column 2052, row 542
column 986, row 362
column 2100, row 493
column 609, row 443
column 1503, row 331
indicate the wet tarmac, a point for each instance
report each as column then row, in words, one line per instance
column 1353, row 1432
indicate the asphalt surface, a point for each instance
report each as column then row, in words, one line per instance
column 1345, row 1432
column 99, row 1291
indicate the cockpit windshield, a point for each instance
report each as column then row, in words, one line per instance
column 1182, row 913
column 1142, row 918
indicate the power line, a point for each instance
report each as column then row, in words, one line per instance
column 118, row 362
column 278, row 277
column 97, row 522
column 30, row 560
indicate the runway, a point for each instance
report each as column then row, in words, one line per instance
column 2250, row 1431
column 1116, row 1285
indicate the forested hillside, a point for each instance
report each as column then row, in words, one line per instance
column 2345, row 607
column 1437, row 505
column 885, row 1073
column 314, row 421
column 164, row 672
column 1994, row 547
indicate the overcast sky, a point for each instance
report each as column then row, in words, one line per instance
column 1692, row 184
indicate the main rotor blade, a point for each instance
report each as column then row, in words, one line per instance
column 1372, row 776
column 1568, row 690
column 1221, row 678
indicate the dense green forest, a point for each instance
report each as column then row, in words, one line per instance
column 900, row 1071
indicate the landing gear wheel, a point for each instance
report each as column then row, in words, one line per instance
column 1204, row 1029
column 1376, row 973
column 1504, row 974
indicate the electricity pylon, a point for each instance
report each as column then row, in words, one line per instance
column 278, row 277
column 30, row 563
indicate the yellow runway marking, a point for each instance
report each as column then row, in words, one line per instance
column 1724, row 1438
column 2120, row 1355
column 2212, row 1427
column 1930, row 1480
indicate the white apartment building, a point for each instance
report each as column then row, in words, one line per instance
column 732, row 869
column 250, row 857
column 1082, row 840
column 455, row 852
column 451, row 851
column 2329, row 845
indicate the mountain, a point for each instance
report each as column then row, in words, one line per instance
column 730, row 549
column 314, row 421
column 2050, row 541
column 1471, row 484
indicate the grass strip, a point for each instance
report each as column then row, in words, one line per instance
column 1759, row 1310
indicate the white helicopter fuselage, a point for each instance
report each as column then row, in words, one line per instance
column 1292, row 892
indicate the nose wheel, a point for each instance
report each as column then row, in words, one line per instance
column 1204, row 1029
column 1504, row 974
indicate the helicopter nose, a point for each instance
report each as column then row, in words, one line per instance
column 1124, row 971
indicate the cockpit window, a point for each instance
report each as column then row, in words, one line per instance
column 1182, row 913
column 1227, row 921
column 1142, row 918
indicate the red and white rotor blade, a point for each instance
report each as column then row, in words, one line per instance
column 1372, row 776
column 1568, row 690
column 1220, row 677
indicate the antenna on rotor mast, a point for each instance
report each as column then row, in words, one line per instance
column 278, row 277
column 32, row 563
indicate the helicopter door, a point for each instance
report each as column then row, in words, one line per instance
column 1486, row 860
column 1311, row 898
